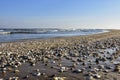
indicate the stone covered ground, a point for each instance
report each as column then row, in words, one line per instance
column 93, row 57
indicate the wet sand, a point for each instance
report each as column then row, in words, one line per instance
column 93, row 57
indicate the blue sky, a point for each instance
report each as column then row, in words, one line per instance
column 60, row 13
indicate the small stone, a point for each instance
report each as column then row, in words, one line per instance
column 3, row 72
column 16, row 71
column 101, row 67
column 13, row 78
column 74, row 65
column 43, row 74
column 4, row 69
column 54, row 75
column 15, row 66
column 77, row 71
column 27, row 76
column 1, row 79
column 9, row 69
column 53, row 62
column 117, row 68
column 63, row 69
column 106, row 70
column 97, row 76
column 59, row 78
column 37, row 74
column 80, row 60
column 33, row 64
column 37, row 70
column 96, row 69
column 91, row 78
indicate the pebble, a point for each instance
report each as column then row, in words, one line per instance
column 9, row 69
column 53, row 62
column 90, row 78
column 101, row 67
column 106, row 71
column 77, row 71
column 13, row 78
column 32, row 64
column 1, row 79
column 37, row 74
column 16, row 71
column 97, row 76
column 63, row 69
column 88, row 57
column 59, row 78
column 27, row 76
column 117, row 68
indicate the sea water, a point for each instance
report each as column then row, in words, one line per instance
column 7, row 35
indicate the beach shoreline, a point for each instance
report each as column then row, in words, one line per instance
column 67, row 58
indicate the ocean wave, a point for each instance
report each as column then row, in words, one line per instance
column 2, row 32
column 47, row 31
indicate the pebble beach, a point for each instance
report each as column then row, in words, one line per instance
column 88, row 57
